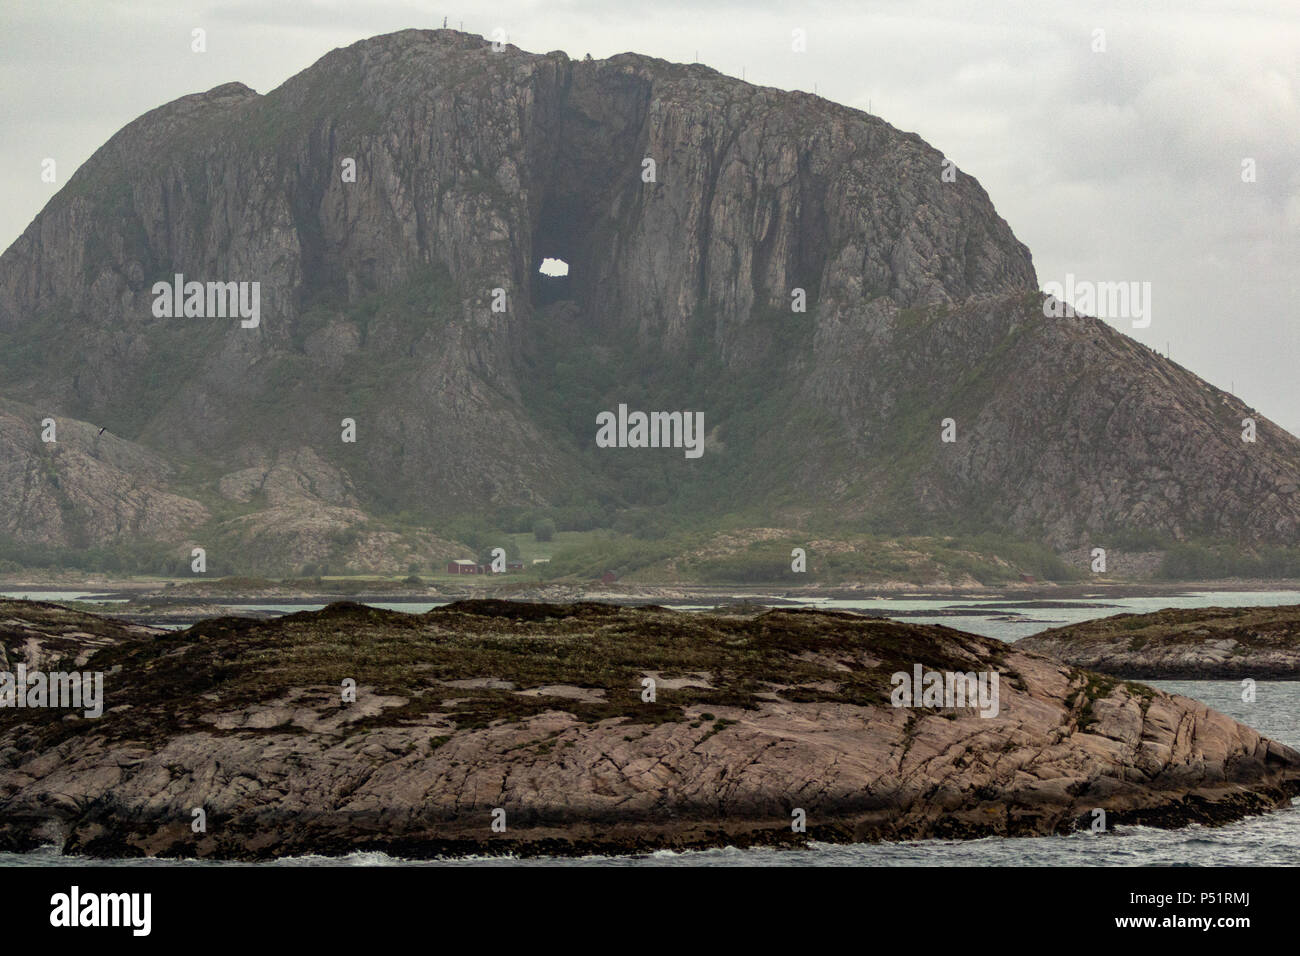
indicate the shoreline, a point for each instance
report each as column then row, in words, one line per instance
column 629, row 594
column 456, row 719
column 338, row 837
column 145, row 603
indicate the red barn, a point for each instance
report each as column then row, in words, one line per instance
column 464, row 566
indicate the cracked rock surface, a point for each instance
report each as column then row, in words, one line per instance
column 476, row 707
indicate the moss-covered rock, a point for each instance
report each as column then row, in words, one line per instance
column 542, row 711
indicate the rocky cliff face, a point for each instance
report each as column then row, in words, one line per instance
column 84, row 488
column 537, row 712
column 377, row 304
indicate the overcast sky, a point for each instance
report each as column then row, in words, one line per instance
column 1122, row 165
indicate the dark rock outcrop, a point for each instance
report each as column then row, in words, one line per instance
column 1204, row 643
column 537, row 710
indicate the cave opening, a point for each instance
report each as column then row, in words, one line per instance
column 551, row 281
column 562, row 225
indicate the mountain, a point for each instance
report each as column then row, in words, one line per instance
column 376, row 304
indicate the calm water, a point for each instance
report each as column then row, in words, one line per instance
column 1272, row 839
column 1004, row 619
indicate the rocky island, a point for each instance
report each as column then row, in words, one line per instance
column 1208, row 643
column 509, row 727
